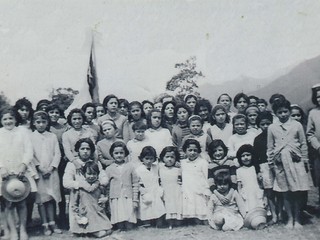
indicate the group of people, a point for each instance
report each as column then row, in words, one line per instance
column 118, row 165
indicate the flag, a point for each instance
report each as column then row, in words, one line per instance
column 90, row 89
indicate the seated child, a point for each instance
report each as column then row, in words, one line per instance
column 226, row 207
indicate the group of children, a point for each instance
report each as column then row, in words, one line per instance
column 117, row 165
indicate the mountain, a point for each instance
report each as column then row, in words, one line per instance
column 295, row 85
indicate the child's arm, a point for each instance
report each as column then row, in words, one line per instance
column 135, row 188
column 240, row 203
column 303, row 144
column 69, row 181
column 56, row 154
column 311, row 132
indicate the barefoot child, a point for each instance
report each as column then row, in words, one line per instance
column 170, row 177
column 288, row 151
column 123, row 182
column 46, row 159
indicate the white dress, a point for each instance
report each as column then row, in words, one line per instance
column 250, row 191
column 172, row 191
column 151, row 204
column 195, row 188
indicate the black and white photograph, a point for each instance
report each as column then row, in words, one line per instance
column 159, row 119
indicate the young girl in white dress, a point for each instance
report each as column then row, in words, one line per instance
column 195, row 185
column 46, row 158
column 248, row 185
column 151, row 206
column 170, row 177
column 124, row 187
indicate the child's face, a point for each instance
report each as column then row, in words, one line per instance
column 76, row 120
column 252, row 116
column 123, row 109
column 91, row 177
column 218, row 153
column 203, row 112
column 100, row 111
column 246, row 158
column 156, row 120
column 191, row 102
column 223, row 188
column 182, row 115
column 40, row 124
column 135, row 112
column 220, row 116
column 139, row 134
column 112, row 105
column 89, row 113
column 148, row 160
column 147, row 107
column 158, row 106
column 262, row 107
column 24, row 112
column 8, row 121
column 84, row 151
column 195, row 127
column 241, row 105
column 252, row 102
column 118, row 154
column 54, row 115
column 283, row 114
column 169, row 110
column 108, row 130
column 225, row 101
column 240, row 126
column 264, row 124
column 192, row 152
column 296, row 115
column 169, row 159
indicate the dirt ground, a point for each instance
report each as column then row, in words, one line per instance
column 310, row 231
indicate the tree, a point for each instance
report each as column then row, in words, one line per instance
column 185, row 82
column 63, row 97
column 4, row 102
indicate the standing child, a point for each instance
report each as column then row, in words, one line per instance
column 135, row 114
column 240, row 137
column 313, row 133
column 191, row 101
column 241, row 102
column 195, row 124
column 203, row 109
column 226, row 206
column 151, row 206
column 247, row 178
column 167, row 113
column 220, row 128
column 46, row 159
column 157, row 136
column 24, row 107
column 195, row 185
column 288, row 151
column 123, row 181
column 108, row 131
column 16, row 155
column 252, row 114
column 170, row 177
column 261, row 164
column 180, row 129
column 225, row 100
column 85, row 214
column 91, row 114
column 147, row 106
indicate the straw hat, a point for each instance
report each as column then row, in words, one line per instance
column 15, row 189
column 255, row 218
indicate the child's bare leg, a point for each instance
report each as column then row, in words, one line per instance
column 170, row 223
column 11, row 222
column 288, row 207
column 272, row 205
column 44, row 219
column 4, row 223
column 297, row 204
column 51, row 216
column 22, row 213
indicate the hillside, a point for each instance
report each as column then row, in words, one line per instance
column 296, row 84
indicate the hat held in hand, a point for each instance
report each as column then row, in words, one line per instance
column 15, row 189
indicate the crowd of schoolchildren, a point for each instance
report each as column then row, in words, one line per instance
column 119, row 165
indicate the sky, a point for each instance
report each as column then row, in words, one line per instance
column 45, row 44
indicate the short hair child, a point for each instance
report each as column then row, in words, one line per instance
column 189, row 142
column 170, row 149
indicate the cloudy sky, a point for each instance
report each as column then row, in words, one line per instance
column 45, row 44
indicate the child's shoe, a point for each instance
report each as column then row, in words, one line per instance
column 54, row 227
column 46, row 229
